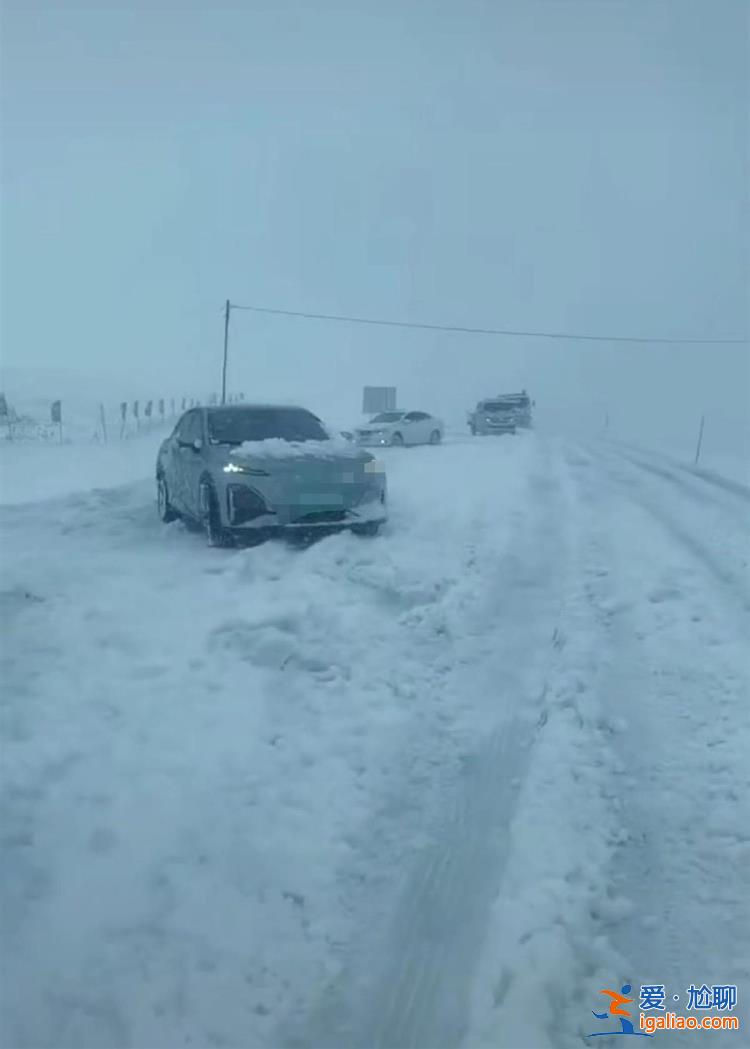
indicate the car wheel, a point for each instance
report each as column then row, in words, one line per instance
column 216, row 534
column 435, row 437
column 397, row 440
column 163, row 505
column 371, row 528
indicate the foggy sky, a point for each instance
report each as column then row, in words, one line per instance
column 546, row 164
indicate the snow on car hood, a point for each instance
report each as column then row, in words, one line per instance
column 277, row 448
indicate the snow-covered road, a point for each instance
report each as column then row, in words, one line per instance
column 433, row 789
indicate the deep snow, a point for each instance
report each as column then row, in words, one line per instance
column 433, row 789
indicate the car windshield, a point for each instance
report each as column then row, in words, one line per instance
column 498, row 406
column 387, row 417
column 236, row 425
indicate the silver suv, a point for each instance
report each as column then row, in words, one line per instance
column 501, row 414
column 253, row 471
column 492, row 416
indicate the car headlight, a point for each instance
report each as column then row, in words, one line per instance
column 243, row 468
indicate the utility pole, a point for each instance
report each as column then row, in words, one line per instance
column 700, row 440
column 227, row 311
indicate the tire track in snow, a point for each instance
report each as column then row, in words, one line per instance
column 733, row 578
column 685, row 797
column 708, row 477
column 549, row 946
column 441, row 918
column 693, row 486
column 725, row 483
column 424, row 954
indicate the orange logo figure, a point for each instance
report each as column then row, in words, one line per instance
column 617, row 1001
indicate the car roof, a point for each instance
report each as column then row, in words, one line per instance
column 505, row 398
column 256, row 407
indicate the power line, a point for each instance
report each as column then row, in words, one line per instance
column 488, row 331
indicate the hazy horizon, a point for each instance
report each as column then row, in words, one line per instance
column 550, row 166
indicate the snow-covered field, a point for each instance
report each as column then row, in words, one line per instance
column 433, row 789
column 38, row 471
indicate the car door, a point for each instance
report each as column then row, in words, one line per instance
column 427, row 423
column 419, row 428
column 173, row 462
column 183, row 456
column 192, row 461
column 411, row 428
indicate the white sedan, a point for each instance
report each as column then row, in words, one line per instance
column 399, row 428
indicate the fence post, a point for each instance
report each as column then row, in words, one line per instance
column 56, row 416
column 5, row 415
column 700, row 440
column 227, row 311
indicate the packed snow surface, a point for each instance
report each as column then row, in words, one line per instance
column 433, row 789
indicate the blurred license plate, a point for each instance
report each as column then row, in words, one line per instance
column 321, row 499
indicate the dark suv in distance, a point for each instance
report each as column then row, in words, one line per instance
column 501, row 414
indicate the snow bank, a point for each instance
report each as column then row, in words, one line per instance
column 227, row 754
column 283, row 797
